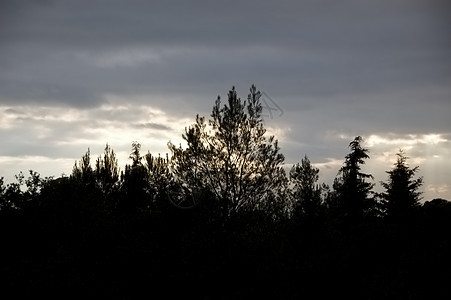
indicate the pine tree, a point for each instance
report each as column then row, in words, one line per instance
column 232, row 158
column 352, row 192
column 401, row 190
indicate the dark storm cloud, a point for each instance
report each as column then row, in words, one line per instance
column 294, row 48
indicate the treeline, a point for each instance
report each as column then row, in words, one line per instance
column 222, row 219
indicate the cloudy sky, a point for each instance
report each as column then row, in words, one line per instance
column 79, row 74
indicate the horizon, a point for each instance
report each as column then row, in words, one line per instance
column 77, row 75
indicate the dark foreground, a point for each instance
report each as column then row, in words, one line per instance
column 77, row 251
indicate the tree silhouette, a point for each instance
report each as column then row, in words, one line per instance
column 159, row 178
column 134, row 184
column 82, row 172
column 222, row 208
column 351, row 190
column 3, row 200
column 306, row 192
column 232, row 157
column 106, row 176
column 16, row 195
column 107, row 171
column 11, row 196
column 401, row 190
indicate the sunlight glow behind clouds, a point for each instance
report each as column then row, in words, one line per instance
column 68, row 132
column 428, row 151
column 438, row 190
column 408, row 141
column 52, row 138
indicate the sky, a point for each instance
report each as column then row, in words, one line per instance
column 80, row 74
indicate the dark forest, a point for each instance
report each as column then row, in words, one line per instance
column 222, row 219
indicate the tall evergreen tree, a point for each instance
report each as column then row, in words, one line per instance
column 232, row 158
column 306, row 192
column 401, row 190
column 352, row 192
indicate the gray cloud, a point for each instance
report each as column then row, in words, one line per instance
column 155, row 126
column 335, row 67
column 306, row 48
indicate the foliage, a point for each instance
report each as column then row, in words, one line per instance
column 159, row 179
column 352, row 193
column 107, row 172
column 82, row 172
column 18, row 194
column 401, row 190
column 306, row 192
column 233, row 158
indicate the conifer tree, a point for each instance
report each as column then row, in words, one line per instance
column 352, row 193
column 232, row 158
column 401, row 190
